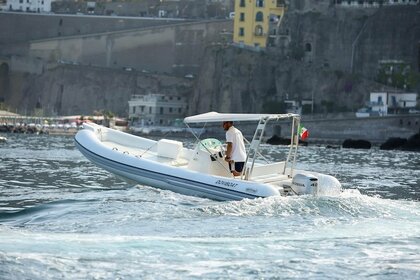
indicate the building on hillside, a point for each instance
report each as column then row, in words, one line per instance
column 157, row 109
column 384, row 103
column 256, row 22
column 37, row 6
column 297, row 107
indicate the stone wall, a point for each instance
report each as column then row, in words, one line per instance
column 335, row 130
column 175, row 49
column 375, row 129
column 23, row 27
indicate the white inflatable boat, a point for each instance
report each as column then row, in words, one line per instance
column 202, row 171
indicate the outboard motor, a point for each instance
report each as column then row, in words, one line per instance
column 305, row 184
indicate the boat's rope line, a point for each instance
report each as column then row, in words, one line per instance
column 154, row 144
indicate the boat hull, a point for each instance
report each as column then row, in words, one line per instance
column 175, row 179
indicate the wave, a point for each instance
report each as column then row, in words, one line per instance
column 148, row 211
column 41, row 212
column 350, row 203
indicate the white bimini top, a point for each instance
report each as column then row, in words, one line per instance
column 219, row 117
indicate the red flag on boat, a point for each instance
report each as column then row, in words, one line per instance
column 303, row 132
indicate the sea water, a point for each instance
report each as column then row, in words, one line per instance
column 62, row 217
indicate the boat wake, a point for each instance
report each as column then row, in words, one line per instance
column 348, row 203
column 146, row 211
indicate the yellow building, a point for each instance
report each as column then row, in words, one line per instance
column 256, row 21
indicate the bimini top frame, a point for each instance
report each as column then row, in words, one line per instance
column 263, row 120
column 220, row 117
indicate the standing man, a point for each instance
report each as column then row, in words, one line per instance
column 235, row 152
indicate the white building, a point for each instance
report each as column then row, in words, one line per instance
column 157, row 109
column 37, row 6
column 295, row 107
column 384, row 103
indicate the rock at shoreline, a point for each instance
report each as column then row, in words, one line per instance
column 393, row 143
column 276, row 140
column 356, row 144
column 410, row 144
column 413, row 143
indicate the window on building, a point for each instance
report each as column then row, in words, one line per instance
column 259, row 16
column 150, row 110
column 258, row 30
column 160, row 121
column 241, row 31
column 260, row 3
column 134, row 109
column 308, row 47
column 242, row 3
column 27, row 1
column 179, row 110
column 161, row 110
column 242, row 17
column 170, row 109
column 21, row 1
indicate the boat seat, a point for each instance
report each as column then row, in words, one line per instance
column 168, row 148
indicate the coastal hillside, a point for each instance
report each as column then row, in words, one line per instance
column 332, row 55
column 328, row 54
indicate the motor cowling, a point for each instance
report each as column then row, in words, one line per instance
column 305, row 184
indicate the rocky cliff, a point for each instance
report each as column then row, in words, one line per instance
column 328, row 54
column 237, row 80
column 331, row 55
column 69, row 90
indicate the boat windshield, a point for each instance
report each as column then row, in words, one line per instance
column 210, row 144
